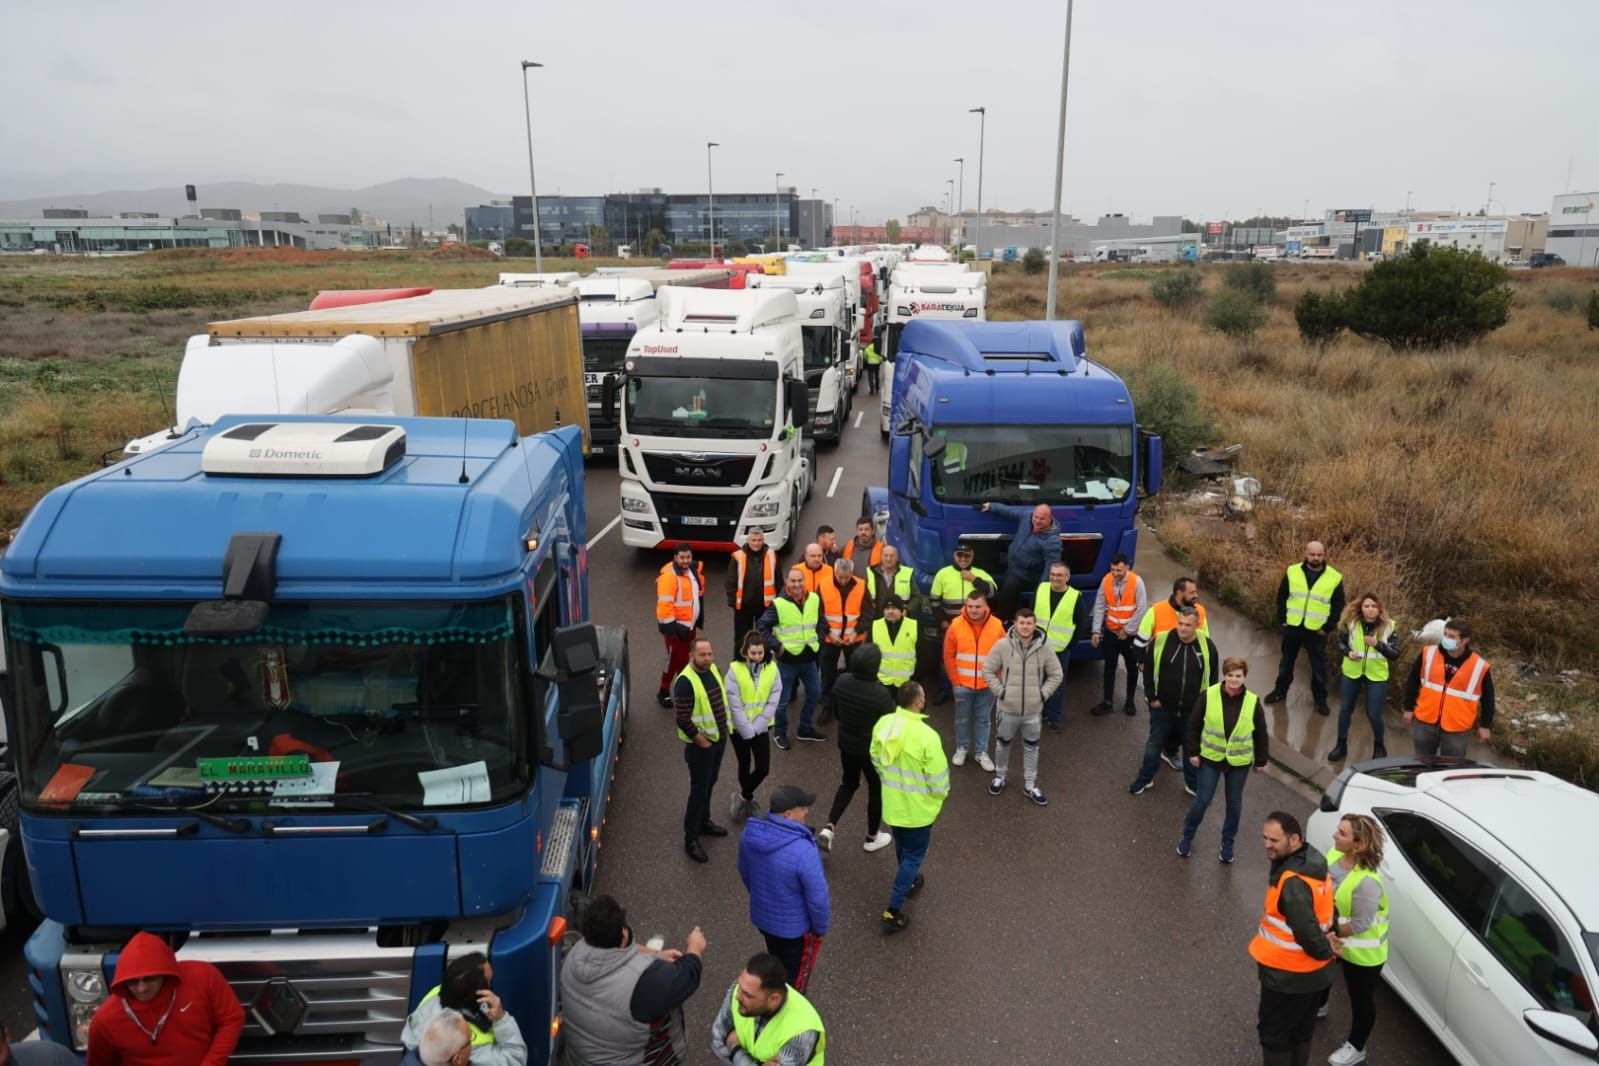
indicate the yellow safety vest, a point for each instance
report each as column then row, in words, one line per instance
column 1215, row 744
column 703, row 716
column 795, row 1017
column 1370, row 948
column 899, row 654
column 1060, row 626
column 753, row 692
column 1372, row 665
column 796, row 626
column 480, row 1037
column 1310, row 605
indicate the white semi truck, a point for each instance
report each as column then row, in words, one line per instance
column 825, row 330
column 849, row 270
column 713, row 404
column 610, row 309
column 939, row 289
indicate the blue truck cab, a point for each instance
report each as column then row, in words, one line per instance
column 317, row 700
column 1015, row 413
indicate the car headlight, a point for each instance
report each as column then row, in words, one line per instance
column 765, row 509
column 635, row 506
column 85, row 992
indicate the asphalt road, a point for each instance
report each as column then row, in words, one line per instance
column 1066, row 934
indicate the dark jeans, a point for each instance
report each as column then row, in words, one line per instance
column 1115, row 649
column 1168, row 732
column 1286, row 1018
column 1362, row 982
column 1210, row 775
column 793, row 675
column 753, row 757
column 743, row 622
column 1350, row 689
column 873, row 371
column 1315, row 645
column 910, row 847
column 830, row 667
column 1056, row 704
column 1010, row 592
column 797, row 954
column 855, row 767
column 704, row 764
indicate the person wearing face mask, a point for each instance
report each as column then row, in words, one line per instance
column 754, row 691
column 1309, row 597
column 1369, row 643
column 1229, row 733
column 1449, row 693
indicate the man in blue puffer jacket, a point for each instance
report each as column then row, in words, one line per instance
column 1034, row 548
column 782, row 868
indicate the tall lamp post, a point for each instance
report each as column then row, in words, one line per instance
column 814, row 213
column 982, row 130
column 533, row 181
column 710, row 195
column 1060, row 163
column 832, row 231
column 777, row 222
column 949, row 204
column 960, row 204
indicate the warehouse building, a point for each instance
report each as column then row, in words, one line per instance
column 1574, row 229
column 77, row 234
column 625, row 218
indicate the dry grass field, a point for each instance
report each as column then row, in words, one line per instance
column 1459, row 482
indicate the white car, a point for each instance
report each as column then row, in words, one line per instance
column 1493, row 886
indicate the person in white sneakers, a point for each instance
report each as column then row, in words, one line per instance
column 753, row 691
column 967, row 643
column 1022, row 671
column 859, row 700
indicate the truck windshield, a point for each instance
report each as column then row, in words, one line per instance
column 1033, row 464
column 403, row 705
column 740, row 408
column 818, row 347
column 604, row 355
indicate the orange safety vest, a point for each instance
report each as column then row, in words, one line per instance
column 677, row 595
column 1274, row 943
column 1454, row 701
column 1119, row 612
column 843, row 612
column 1165, row 616
column 966, row 648
column 768, row 579
column 877, row 552
column 814, row 578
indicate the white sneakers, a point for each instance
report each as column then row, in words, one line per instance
column 879, row 842
column 1347, row 1055
column 985, row 762
column 824, row 838
column 959, row 758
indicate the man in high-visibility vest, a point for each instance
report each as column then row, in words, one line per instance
column 815, row 567
column 1293, row 947
column 679, row 613
column 1162, row 617
column 1310, row 600
column 751, row 583
column 948, row 599
column 889, row 578
column 1450, row 692
column 765, row 1020
column 909, row 756
column 1062, row 614
column 793, row 627
column 699, row 697
column 1119, row 607
column 468, row 987
column 969, row 640
column 874, row 367
column 895, row 636
column 847, row 618
column 1180, row 667
column 866, row 548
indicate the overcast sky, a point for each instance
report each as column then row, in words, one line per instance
column 1176, row 107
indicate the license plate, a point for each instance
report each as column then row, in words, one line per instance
column 695, row 520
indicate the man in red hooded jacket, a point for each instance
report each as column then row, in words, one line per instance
column 162, row 1012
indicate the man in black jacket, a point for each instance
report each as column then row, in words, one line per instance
column 1178, row 668
column 751, row 584
column 859, row 700
column 1294, row 963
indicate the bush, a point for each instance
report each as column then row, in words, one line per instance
column 1561, row 298
column 738, row 248
column 1320, row 318
column 1234, row 312
column 1178, row 290
column 1256, row 279
column 519, row 247
column 1167, row 403
column 1429, row 298
column 1593, row 309
column 1034, row 262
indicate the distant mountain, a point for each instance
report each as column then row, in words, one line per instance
column 400, row 203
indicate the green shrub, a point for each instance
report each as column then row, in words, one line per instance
column 1034, row 262
column 1429, row 298
column 1320, row 317
column 1234, row 312
column 1256, row 279
column 1179, row 289
column 519, row 247
column 1561, row 298
column 1593, row 309
column 1167, row 403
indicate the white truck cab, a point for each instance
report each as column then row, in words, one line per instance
column 825, row 329
column 850, row 272
column 712, row 406
column 934, row 289
column 610, row 309
column 537, row 281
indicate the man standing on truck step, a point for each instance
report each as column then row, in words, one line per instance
column 1450, row 691
column 891, row 579
column 866, row 549
column 816, row 567
column 699, row 698
column 969, row 640
column 1310, row 598
column 874, row 367
column 847, row 614
column 793, row 628
column 950, row 588
column 622, row 1001
column 162, row 1012
column 1023, row 672
column 1063, row 612
column 751, row 583
column 1118, row 608
column 679, row 612
column 1179, row 667
column 909, row 756
column 1034, row 547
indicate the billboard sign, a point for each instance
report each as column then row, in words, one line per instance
column 1362, row 214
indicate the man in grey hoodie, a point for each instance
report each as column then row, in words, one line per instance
column 1022, row 672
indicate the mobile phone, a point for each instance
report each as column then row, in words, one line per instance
column 656, row 942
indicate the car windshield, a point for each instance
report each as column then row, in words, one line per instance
column 674, row 406
column 115, row 707
column 1033, row 464
column 818, row 347
column 604, row 355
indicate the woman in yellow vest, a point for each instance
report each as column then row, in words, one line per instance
column 1360, row 907
column 1229, row 734
column 754, row 690
column 1369, row 643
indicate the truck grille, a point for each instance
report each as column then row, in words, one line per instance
column 711, row 470
column 724, row 512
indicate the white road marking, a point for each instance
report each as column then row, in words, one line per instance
column 858, row 415
column 832, row 487
column 601, row 534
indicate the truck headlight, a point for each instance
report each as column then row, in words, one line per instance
column 85, row 992
column 635, row 506
column 820, row 420
column 765, row 509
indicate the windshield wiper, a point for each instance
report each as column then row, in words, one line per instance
column 426, row 823
column 152, row 803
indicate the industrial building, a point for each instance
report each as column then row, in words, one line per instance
column 1574, row 228
column 625, row 218
column 73, row 232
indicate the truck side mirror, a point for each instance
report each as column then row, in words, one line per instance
column 608, row 398
column 1151, row 458
column 799, row 402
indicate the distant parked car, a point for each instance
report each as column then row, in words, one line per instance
column 1493, row 887
column 1545, row 259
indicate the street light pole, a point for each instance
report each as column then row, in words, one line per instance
column 960, row 203
column 533, row 181
column 1060, row 162
column 949, row 204
column 832, row 231
column 982, row 131
column 710, row 195
column 777, row 224
column 815, row 210
column 1489, row 202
